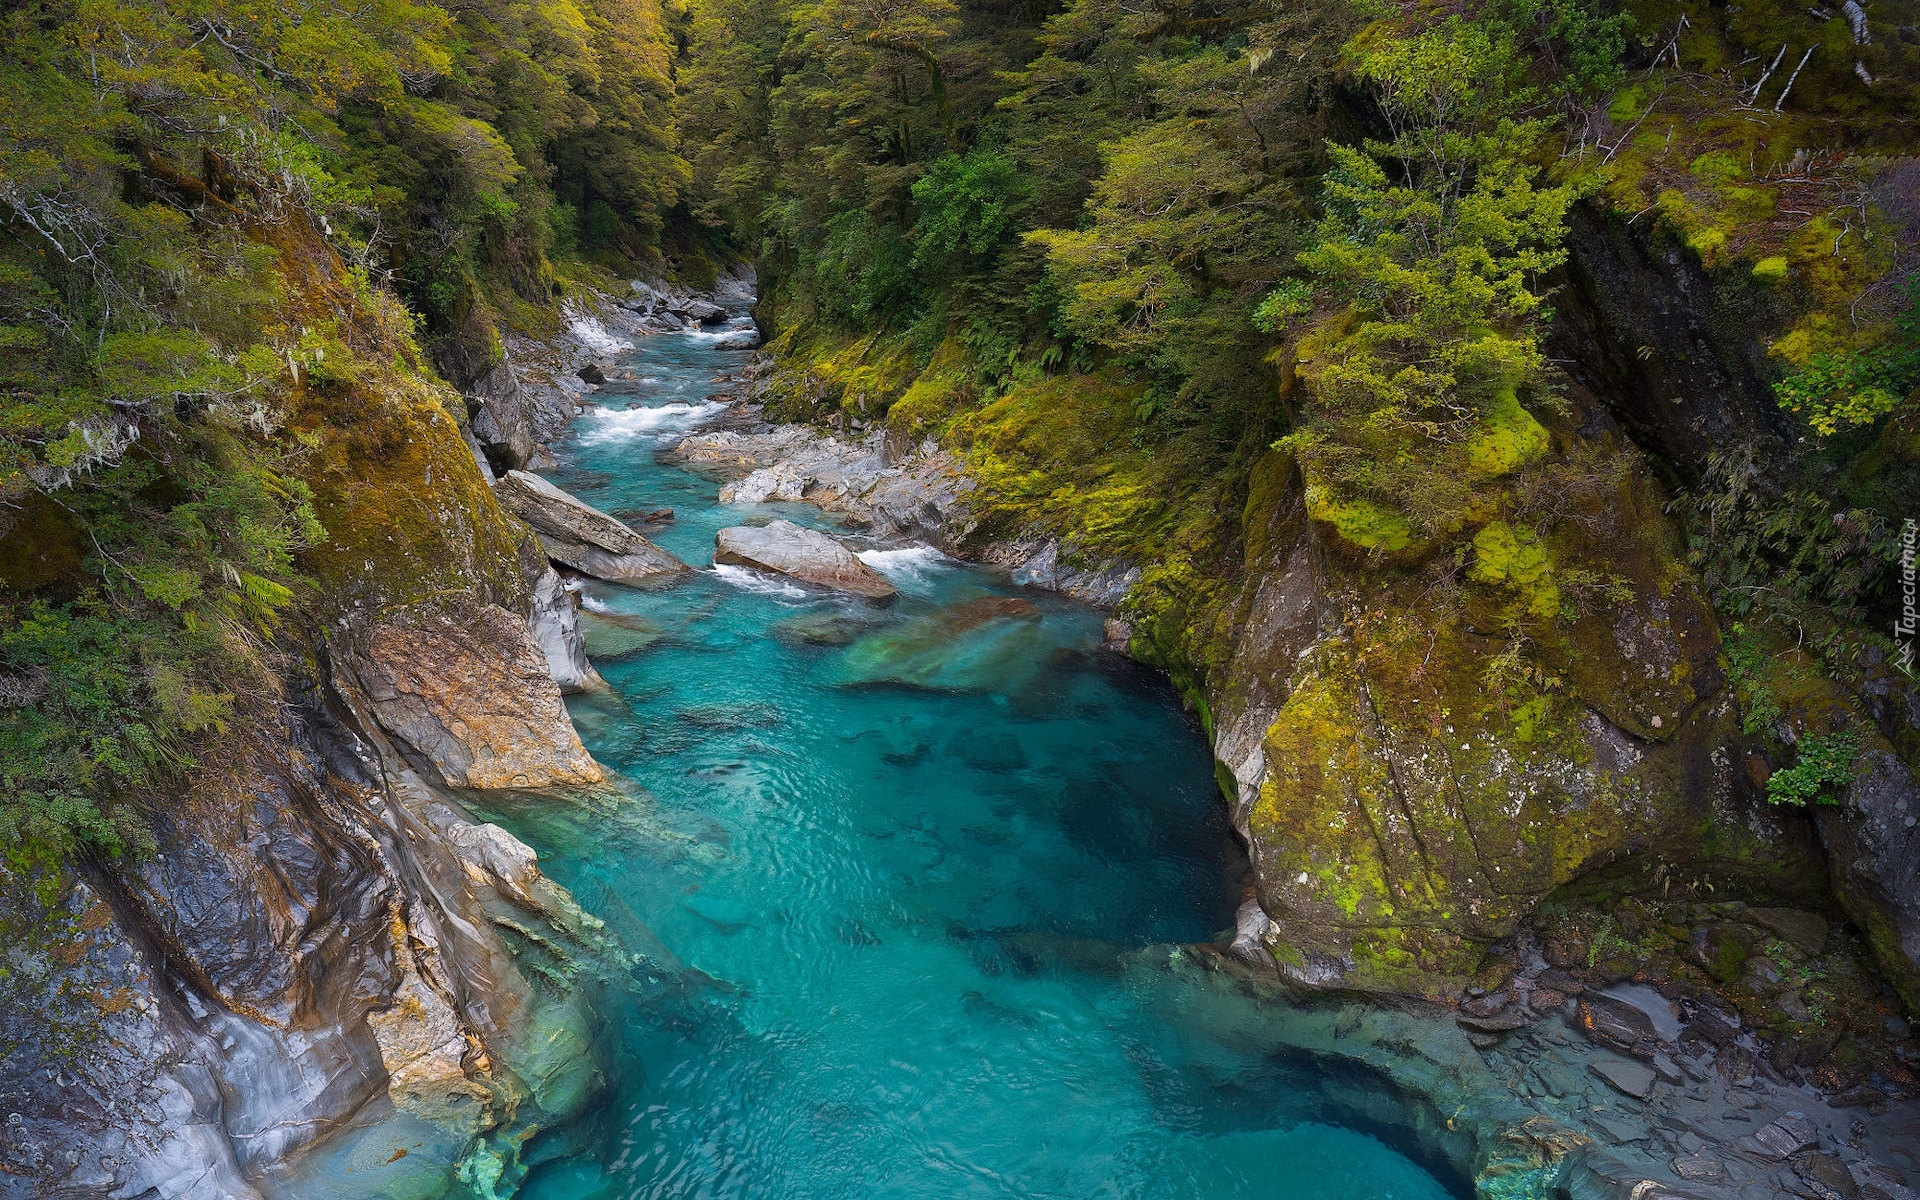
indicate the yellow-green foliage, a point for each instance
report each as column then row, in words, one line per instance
column 1739, row 174
column 822, row 373
column 1412, row 396
column 1515, row 557
column 1057, row 456
column 936, row 393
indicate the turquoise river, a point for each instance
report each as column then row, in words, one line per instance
column 895, row 874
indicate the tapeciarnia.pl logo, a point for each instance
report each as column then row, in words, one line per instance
column 1903, row 625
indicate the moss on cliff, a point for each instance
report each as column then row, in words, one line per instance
column 411, row 516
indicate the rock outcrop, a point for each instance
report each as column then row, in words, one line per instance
column 577, row 535
column 317, row 967
column 1402, row 814
column 501, row 418
column 799, row 553
column 554, row 623
column 1873, row 837
column 469, row 696
column 323, row 966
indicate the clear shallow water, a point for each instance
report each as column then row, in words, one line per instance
column 891, row 864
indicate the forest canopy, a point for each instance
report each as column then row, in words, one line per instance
column 1115, row 251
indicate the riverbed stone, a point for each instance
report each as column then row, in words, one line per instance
column 1630, row 1078
column 1787, row 1136
column 800, row 553
column 1877, row 1181
column 1613, row 1022
column 1699, row 1168
column 578, row 535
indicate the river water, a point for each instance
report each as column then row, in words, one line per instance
column 889, row 871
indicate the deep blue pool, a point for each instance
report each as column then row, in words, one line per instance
column 890, row 865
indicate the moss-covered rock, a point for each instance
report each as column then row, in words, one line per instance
column 1441, row 748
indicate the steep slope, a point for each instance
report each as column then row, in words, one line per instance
column 319, row 947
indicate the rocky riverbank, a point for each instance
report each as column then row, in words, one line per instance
column 325, row 968
column 1605, row 1044
column 887, row 488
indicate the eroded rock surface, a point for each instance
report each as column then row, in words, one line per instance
column 1874, row 836
column 1538, row 1106
column 554, row 623
column 309, row 966
column 580, row 536
column 804, row 554
column 473, row 698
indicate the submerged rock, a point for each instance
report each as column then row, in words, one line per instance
column 578, row 535
column 822, row 628
column 804, row 554
column 990, row 643
column 614, row 636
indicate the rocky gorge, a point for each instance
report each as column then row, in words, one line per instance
column 756, row 598
column 368, row 974
column 1646, row 1047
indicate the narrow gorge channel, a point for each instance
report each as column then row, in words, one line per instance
column 888, row 878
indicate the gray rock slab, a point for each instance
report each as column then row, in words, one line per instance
column 578, row 535
column 1787, row 1136
column 799, row 553
column 1630, row 1078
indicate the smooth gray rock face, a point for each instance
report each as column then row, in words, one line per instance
column 501, row 417
column 555, row 626
column 1873, row 842
column 804, row 554
column 578, row 535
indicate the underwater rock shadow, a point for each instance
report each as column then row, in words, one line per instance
column 1024, row 952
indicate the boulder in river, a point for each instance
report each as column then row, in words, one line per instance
column 804, row 554
column 701, row 312
column 578, row 535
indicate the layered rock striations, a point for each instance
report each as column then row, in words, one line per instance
column 324, row 965
column 577, row 535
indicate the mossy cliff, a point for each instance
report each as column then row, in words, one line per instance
column 1427, row 734
column 1419, row 759
column 319, row 962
